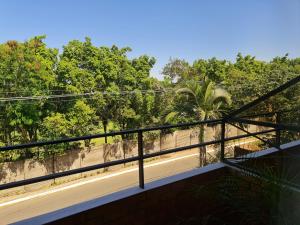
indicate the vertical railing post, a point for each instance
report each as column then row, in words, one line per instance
column 141, row 159
column 278, row 132
column 222, row 140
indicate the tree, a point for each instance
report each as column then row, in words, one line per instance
column 110, row 76
column 54, row 126
column 176, row 70
column 118, row 91
column 206, row 101
column 135, row 104
column 82, row 119
column 26, row 69
column 248, row 78
column 242, row 79
column 213, row 69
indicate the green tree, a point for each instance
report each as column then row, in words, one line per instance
column 205, row 102
column 26, row 69
column 213, row 69
column 176, row 70
column 110, row 76
column 54, row 126
column 82, row 119
column 87, row 69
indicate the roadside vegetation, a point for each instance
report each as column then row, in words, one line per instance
column 87, row 89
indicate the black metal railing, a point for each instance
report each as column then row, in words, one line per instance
column 231, row 119
column 139, row 158
column 236, row 118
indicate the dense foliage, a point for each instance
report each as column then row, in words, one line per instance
column 88, row 89
column 245, row 79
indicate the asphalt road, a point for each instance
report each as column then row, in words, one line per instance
column 86, row 189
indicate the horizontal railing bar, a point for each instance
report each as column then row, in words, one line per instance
column 250, row 135
column 254, row 157
column 88, row 137
column 66, row 140
column 259, row 114
column 238, row 158
column 266, row 124
column 117, row 162
column 66, row 173
column 269, row 113
column 261, row 139
column 98, row 166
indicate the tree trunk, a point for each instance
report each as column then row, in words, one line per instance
column 105, row 129
column 7, row 139
column 87, row 143
column 32, row 134
column 123, row 146
column 24, row 135
column 202, row 149
column 10, row 140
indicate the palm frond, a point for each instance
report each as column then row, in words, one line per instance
column 221, row 95
column 170, row 117
column 205, row 98
column 202, row 114
column 185, row 90
column 209, row 92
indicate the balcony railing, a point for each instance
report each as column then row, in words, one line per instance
column 230, row 119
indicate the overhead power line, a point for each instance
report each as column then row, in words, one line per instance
column 26, row 91
column 45, row 97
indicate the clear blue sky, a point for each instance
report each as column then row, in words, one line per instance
column 188, row 29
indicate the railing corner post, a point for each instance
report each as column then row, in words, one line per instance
column 278, row 132
column 223, row 140
column 141, row 159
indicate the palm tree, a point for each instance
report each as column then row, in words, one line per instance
column 205, row 100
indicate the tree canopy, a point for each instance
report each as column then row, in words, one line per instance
column 87, row 89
